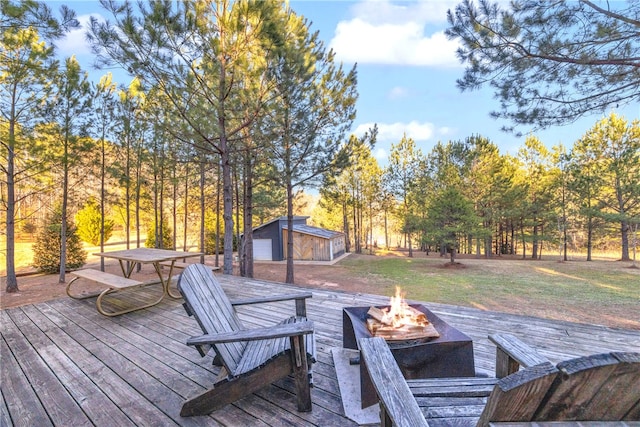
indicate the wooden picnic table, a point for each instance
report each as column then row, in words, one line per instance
column 128, row 258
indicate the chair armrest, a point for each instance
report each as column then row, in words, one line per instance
column 511, row 353
column 398, row 407
column 299, row 297
column 277, row 331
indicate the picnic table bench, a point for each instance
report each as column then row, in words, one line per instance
column 114, row 283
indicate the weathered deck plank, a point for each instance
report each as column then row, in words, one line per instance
column 65, row 364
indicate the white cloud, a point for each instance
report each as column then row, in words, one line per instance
column 398, row 92
column 75, row 42
column 386, row 33
column 380, row 154
column 445, row 131
column 395, row 131
column 380, row 11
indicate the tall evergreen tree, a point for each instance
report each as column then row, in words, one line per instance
column 539, row 181
column 314, row 105
column 400, row 173
column 104, row 108
column 357, row 187
column 68, row 107
column 613, row 147
column 26, row 65
column 450, row 217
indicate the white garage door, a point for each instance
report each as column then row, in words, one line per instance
column 262, row 250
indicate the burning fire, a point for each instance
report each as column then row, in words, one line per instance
column 399, row 313
column 399, row 321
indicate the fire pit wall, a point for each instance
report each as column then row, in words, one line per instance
column 450, row 355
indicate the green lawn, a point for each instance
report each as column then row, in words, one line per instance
column 582, row 290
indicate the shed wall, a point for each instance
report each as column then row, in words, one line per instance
column 307, row 247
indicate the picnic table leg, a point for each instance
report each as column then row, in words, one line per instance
column 85, row 296
column 126, row 271
column 128, row 310
column 166, row 282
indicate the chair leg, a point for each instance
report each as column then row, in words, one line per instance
column 301, row 373
column 207, row 402
column 228, row 391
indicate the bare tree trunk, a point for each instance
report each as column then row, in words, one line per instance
column 289, row 276
column 161, row 204
column 386, row 230
column 218, row 181
column 356, row 228
column 65, row 195
column 524, row 244
column 248, row 218
column 12, row 280
column 138, row 195
column 589, row 238
column 227, row 203
column 624, row 229
column 174, row 206
column 186, row 207
column 534, row 248
column 345, row 226
column 237, row 211
column 203, row 211
column 127, row 192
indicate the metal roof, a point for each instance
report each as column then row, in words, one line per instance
column 314, row 231
column 282, row 218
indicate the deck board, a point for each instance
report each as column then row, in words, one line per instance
column 65, row 364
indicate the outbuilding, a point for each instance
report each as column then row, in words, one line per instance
column 309, row 243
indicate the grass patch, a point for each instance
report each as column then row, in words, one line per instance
column 500, row 283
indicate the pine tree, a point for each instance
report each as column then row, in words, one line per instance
column 89, row 221
column 46, row 249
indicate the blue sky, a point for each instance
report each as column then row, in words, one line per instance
column 406, row 73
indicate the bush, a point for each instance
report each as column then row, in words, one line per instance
column 29, row 227
column 46, row 249
column 167, row 237
column 210, row 243
column 88, row 219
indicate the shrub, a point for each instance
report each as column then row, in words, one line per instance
column 210, row 243
column 47, row 247
column 88, row 219
column 167, row 237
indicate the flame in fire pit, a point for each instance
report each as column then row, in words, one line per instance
column 399, row 312
column 399, row 321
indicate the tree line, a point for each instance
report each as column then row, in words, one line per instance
column 466, row 196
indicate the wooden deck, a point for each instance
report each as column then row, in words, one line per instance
column 63, row 363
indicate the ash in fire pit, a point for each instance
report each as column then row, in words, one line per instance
column 399, row 321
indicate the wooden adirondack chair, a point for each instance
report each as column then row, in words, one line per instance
column 250, row 358
column 602, row 387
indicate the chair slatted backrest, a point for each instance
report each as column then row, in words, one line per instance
column 516, row 397
column 601, row 387
column 212, row 309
